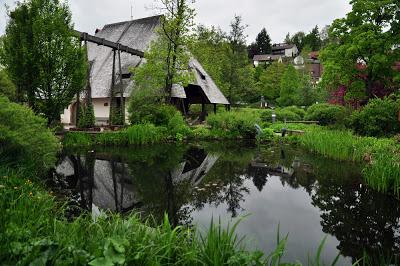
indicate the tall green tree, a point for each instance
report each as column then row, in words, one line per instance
column 211, row 47
column 176, row 25
column 43, row 57
column 290, row 87
column 236, row 71
column 362, row 49
column 313, row 39
column 270, row 80
column 262, row 45
column 167, row 60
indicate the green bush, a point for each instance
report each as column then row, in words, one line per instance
column 378, row 118
column 326, row 114
column 297, row 110
column 286, row 115
column 241, row 124
column 25, row 142
column 281, row 115
column 86, row 116
column 158, row 115
column 177, row 125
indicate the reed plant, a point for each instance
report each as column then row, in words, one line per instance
column 380, row 156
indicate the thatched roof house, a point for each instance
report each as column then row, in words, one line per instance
column 137, row 34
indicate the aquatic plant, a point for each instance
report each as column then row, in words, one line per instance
column 381, row 157
column 77, row 139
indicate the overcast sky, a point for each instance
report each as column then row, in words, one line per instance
column 278, row 16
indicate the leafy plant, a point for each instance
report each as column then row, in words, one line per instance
column 378, row 118
column 239, row 123
column 25, row 142
column 326, row 114
column 86, row 116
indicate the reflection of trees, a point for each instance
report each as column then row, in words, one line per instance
column 361, row 219
column 358, row 217
column 229, row 174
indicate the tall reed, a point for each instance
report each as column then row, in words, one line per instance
column 381, row 157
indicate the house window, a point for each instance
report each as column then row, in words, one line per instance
column 105, row 104
column 126, row 75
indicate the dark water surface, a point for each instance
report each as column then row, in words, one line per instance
column 309, row 197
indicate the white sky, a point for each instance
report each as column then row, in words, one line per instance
column 278, row 16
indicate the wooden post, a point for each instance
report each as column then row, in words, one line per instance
column 215, row 108
column 78, row 109
column 122, row 89
column 112, row 89
column 183, row 107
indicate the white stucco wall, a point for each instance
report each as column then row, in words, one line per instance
column 66, row 116
column 101, row 112
column 292, row 52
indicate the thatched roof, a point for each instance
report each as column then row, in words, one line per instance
column 138, row 34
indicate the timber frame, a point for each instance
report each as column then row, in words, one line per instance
column 116, row 48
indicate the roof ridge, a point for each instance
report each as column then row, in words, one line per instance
column 132, row 21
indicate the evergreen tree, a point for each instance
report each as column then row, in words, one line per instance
column 263, row 42
column 290, row 87
column 238, row 60
column 313, row 39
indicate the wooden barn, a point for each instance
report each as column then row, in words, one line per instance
column 110, row 80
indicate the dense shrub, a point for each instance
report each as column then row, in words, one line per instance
column 86, row 116
column 177, row 127
column 25, row 142
column 281, row 115
column 297, row 110
column 378, row 118
column 286, row 115
column 158, row 115
column 326, row 114
column 7, row 88
column 235, row 122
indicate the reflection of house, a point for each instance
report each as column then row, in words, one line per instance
column 109, row 184
column 279, row 53
column 195, row 168
column 106, row 68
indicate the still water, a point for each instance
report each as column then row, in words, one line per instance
column 306, row 196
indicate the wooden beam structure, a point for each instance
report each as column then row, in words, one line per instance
column 84, row 36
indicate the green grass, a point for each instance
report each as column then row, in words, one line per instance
column 380, row 156
column 34, row 231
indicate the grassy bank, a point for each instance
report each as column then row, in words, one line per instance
column 36, row 232
column 380, row 157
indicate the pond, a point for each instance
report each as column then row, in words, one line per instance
column 306, row 196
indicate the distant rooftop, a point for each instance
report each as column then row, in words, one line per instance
column 282, row 46
column 266, row 57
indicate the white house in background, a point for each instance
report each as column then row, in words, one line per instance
column 285, row 50
column 279, row 53
column 137, row 34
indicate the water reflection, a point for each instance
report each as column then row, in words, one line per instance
column 190, row 181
